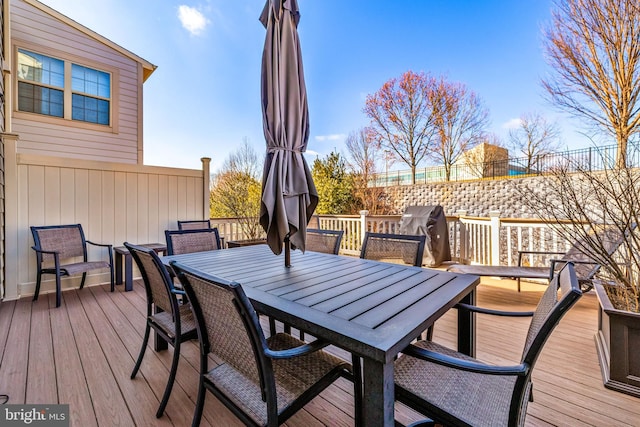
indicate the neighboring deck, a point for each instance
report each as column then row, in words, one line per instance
column 82, row 354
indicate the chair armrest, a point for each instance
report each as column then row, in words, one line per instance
column 464, row 365
column 178, row 292
column 44, row 252
column 296, row 351
column 99, row 244
column 483, row 310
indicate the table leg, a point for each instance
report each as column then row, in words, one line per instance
column 128, row 273
column 118, row 267
column 378, row 401
column 467, row 327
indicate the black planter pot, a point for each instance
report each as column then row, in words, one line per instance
column 618, row 345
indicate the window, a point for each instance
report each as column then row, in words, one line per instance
column 46, row 85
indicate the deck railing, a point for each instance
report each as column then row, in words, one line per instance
column 474, row 240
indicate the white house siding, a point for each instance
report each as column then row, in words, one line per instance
column 36, row 30
column 113, row 202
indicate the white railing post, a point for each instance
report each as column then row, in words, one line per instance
column 495, row 237
column 463, row 236
column 363, row 224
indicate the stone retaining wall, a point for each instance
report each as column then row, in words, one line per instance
column 478, row 198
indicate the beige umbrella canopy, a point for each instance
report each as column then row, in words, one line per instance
column 289, row 196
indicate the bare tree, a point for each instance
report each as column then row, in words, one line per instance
column 244, row 160
column 594, row 49
column 595, row 210
column 459, row 119
column 534, row 137
column 364, row 158
column 236, row 190
column 401, row 118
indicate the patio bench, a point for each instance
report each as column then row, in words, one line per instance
column 54, row 244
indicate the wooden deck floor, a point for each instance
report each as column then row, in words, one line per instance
column 82, row 354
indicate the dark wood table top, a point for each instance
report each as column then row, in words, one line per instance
column 369, row 308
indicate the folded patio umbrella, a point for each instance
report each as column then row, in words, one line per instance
column 289, row 196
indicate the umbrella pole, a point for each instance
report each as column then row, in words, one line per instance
column 287, row 252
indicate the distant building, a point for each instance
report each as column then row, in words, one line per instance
column 483, row 161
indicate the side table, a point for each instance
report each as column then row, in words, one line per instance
column 122, row 251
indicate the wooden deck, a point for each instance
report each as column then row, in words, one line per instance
column 82, row 354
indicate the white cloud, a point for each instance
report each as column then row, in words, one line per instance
column 332, row 137
column 192, row 19
column 512, row 124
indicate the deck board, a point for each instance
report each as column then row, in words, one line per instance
column 82, row 354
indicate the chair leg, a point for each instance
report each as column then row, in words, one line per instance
column 145, row 341
column 172, row 377
column 84, row 277
column 272, row 326
column 197, row 415
column 58, row 291
column 429, row 334
column 38, row 281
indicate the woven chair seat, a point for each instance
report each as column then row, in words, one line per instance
column 446, row 388
column 293, row 377
column 164, row 319
column 80, row 267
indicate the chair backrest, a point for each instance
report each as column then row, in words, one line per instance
column 188, row 241
column 156, row 278
column 68, row 240
column 327, row 241
column 609, row 237
column 194, row 225
column 393, row 248
column 314, row 222
column 228, row 327
column 561, row 294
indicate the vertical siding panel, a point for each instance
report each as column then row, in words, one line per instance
column 132, row 205
column 143, row 208
column 109, row 207
column 182, row 197
column 172, row 197
column 153, row 225
column 52, row 195
column 94, row 207
column 81, row 179
column 34, row 203
column 190, row 203
column 120, row 213
column 67, row 196
column 163, row 205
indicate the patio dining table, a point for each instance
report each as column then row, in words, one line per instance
column 371, row 309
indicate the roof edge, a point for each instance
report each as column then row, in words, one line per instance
column 148, row 67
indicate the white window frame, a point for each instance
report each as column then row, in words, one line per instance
column 68, row 60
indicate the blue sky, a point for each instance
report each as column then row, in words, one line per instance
column 204, row 98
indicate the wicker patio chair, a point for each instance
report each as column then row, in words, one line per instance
column 456, row 390
column 55, row 244
column 401, row 248
column 170, row 319
column 188, row 241
column 395, row 248
column 194, row 224
column 263, row 381
column 326, row 241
